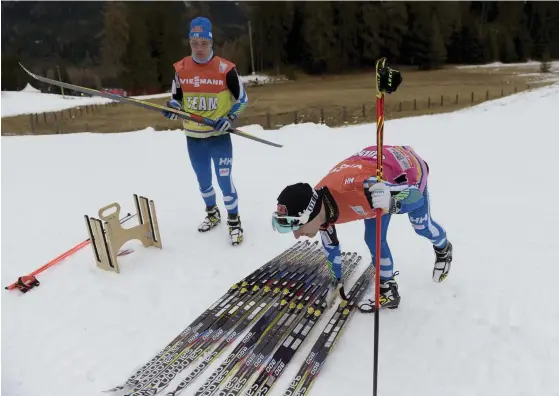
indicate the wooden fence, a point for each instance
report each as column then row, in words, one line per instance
column 346, row 115
column 58, row 120
column 72, row 120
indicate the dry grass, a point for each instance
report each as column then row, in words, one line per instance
column 339, row 100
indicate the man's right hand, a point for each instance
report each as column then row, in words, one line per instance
column 175, row 104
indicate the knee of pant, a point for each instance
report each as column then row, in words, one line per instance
column 384, row 250
column 226, row 185
column 205, row 184
column 423, row 231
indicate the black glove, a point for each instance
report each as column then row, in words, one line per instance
column 389, row 79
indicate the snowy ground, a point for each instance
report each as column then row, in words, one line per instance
column 529, row 64
column 15, row 103
column 532, row 69
column 489, row 329
column 30, row 100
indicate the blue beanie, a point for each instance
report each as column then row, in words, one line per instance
column 201, row 27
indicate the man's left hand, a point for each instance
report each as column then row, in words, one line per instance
column 223, row 124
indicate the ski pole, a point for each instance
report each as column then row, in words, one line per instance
column 380, row 131
column 65, row 254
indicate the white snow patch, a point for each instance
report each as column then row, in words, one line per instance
column 24, row 102
column 529, row 64
column 490, row 328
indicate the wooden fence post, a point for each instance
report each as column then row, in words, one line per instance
column 414, row 103
column 472, row 97
column 456, row 98
column 364, row 111
column 57, row 122
column 322, row 119
column 32, row 122
column 442, row 100
column 295, row 117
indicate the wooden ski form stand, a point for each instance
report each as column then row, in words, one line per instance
column 108, row 236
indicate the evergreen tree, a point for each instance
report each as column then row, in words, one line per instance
column 436, row 56
column 394, row 20
column 140, row 69
column 114, row 39
column 319, row 36
column 418, row 36
column 346, row 45
column 169, row 44
column 371, row 40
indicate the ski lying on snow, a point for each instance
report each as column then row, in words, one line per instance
column 259, row 336
column 164, row 372
column 259, row 356
column 310, row 368
column 269, row 269
column 283, row 355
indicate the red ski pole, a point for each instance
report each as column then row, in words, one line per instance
column 63, row 255
column 378, row 215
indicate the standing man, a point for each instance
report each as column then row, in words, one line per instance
column 209, row 86
column 350, row 192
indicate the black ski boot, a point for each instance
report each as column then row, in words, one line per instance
column 389, row 296
column 235, row 229
column 442, row 262
column 213, row 218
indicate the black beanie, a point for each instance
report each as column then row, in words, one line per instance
column 294, row 199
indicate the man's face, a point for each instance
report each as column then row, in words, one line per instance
column 200, row 47
column 308, row 230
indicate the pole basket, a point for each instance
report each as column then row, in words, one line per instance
column 108, row 236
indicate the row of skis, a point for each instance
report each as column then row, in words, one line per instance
column 276, row 307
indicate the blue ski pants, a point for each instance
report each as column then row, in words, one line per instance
column 219, row 150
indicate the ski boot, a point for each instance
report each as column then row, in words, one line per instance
column 213, row 218
column 235, row 229
column 389, row 296
column 442, row 262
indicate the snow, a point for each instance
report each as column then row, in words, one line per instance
column 25, row 102
column 528, row 64
column 532, row 68
column 30, row 88
column 490, row 328
column 259, row 78
column 30, row 100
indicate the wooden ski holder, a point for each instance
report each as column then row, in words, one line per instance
column 108, row 236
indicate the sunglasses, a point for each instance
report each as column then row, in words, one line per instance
column 284, row 224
